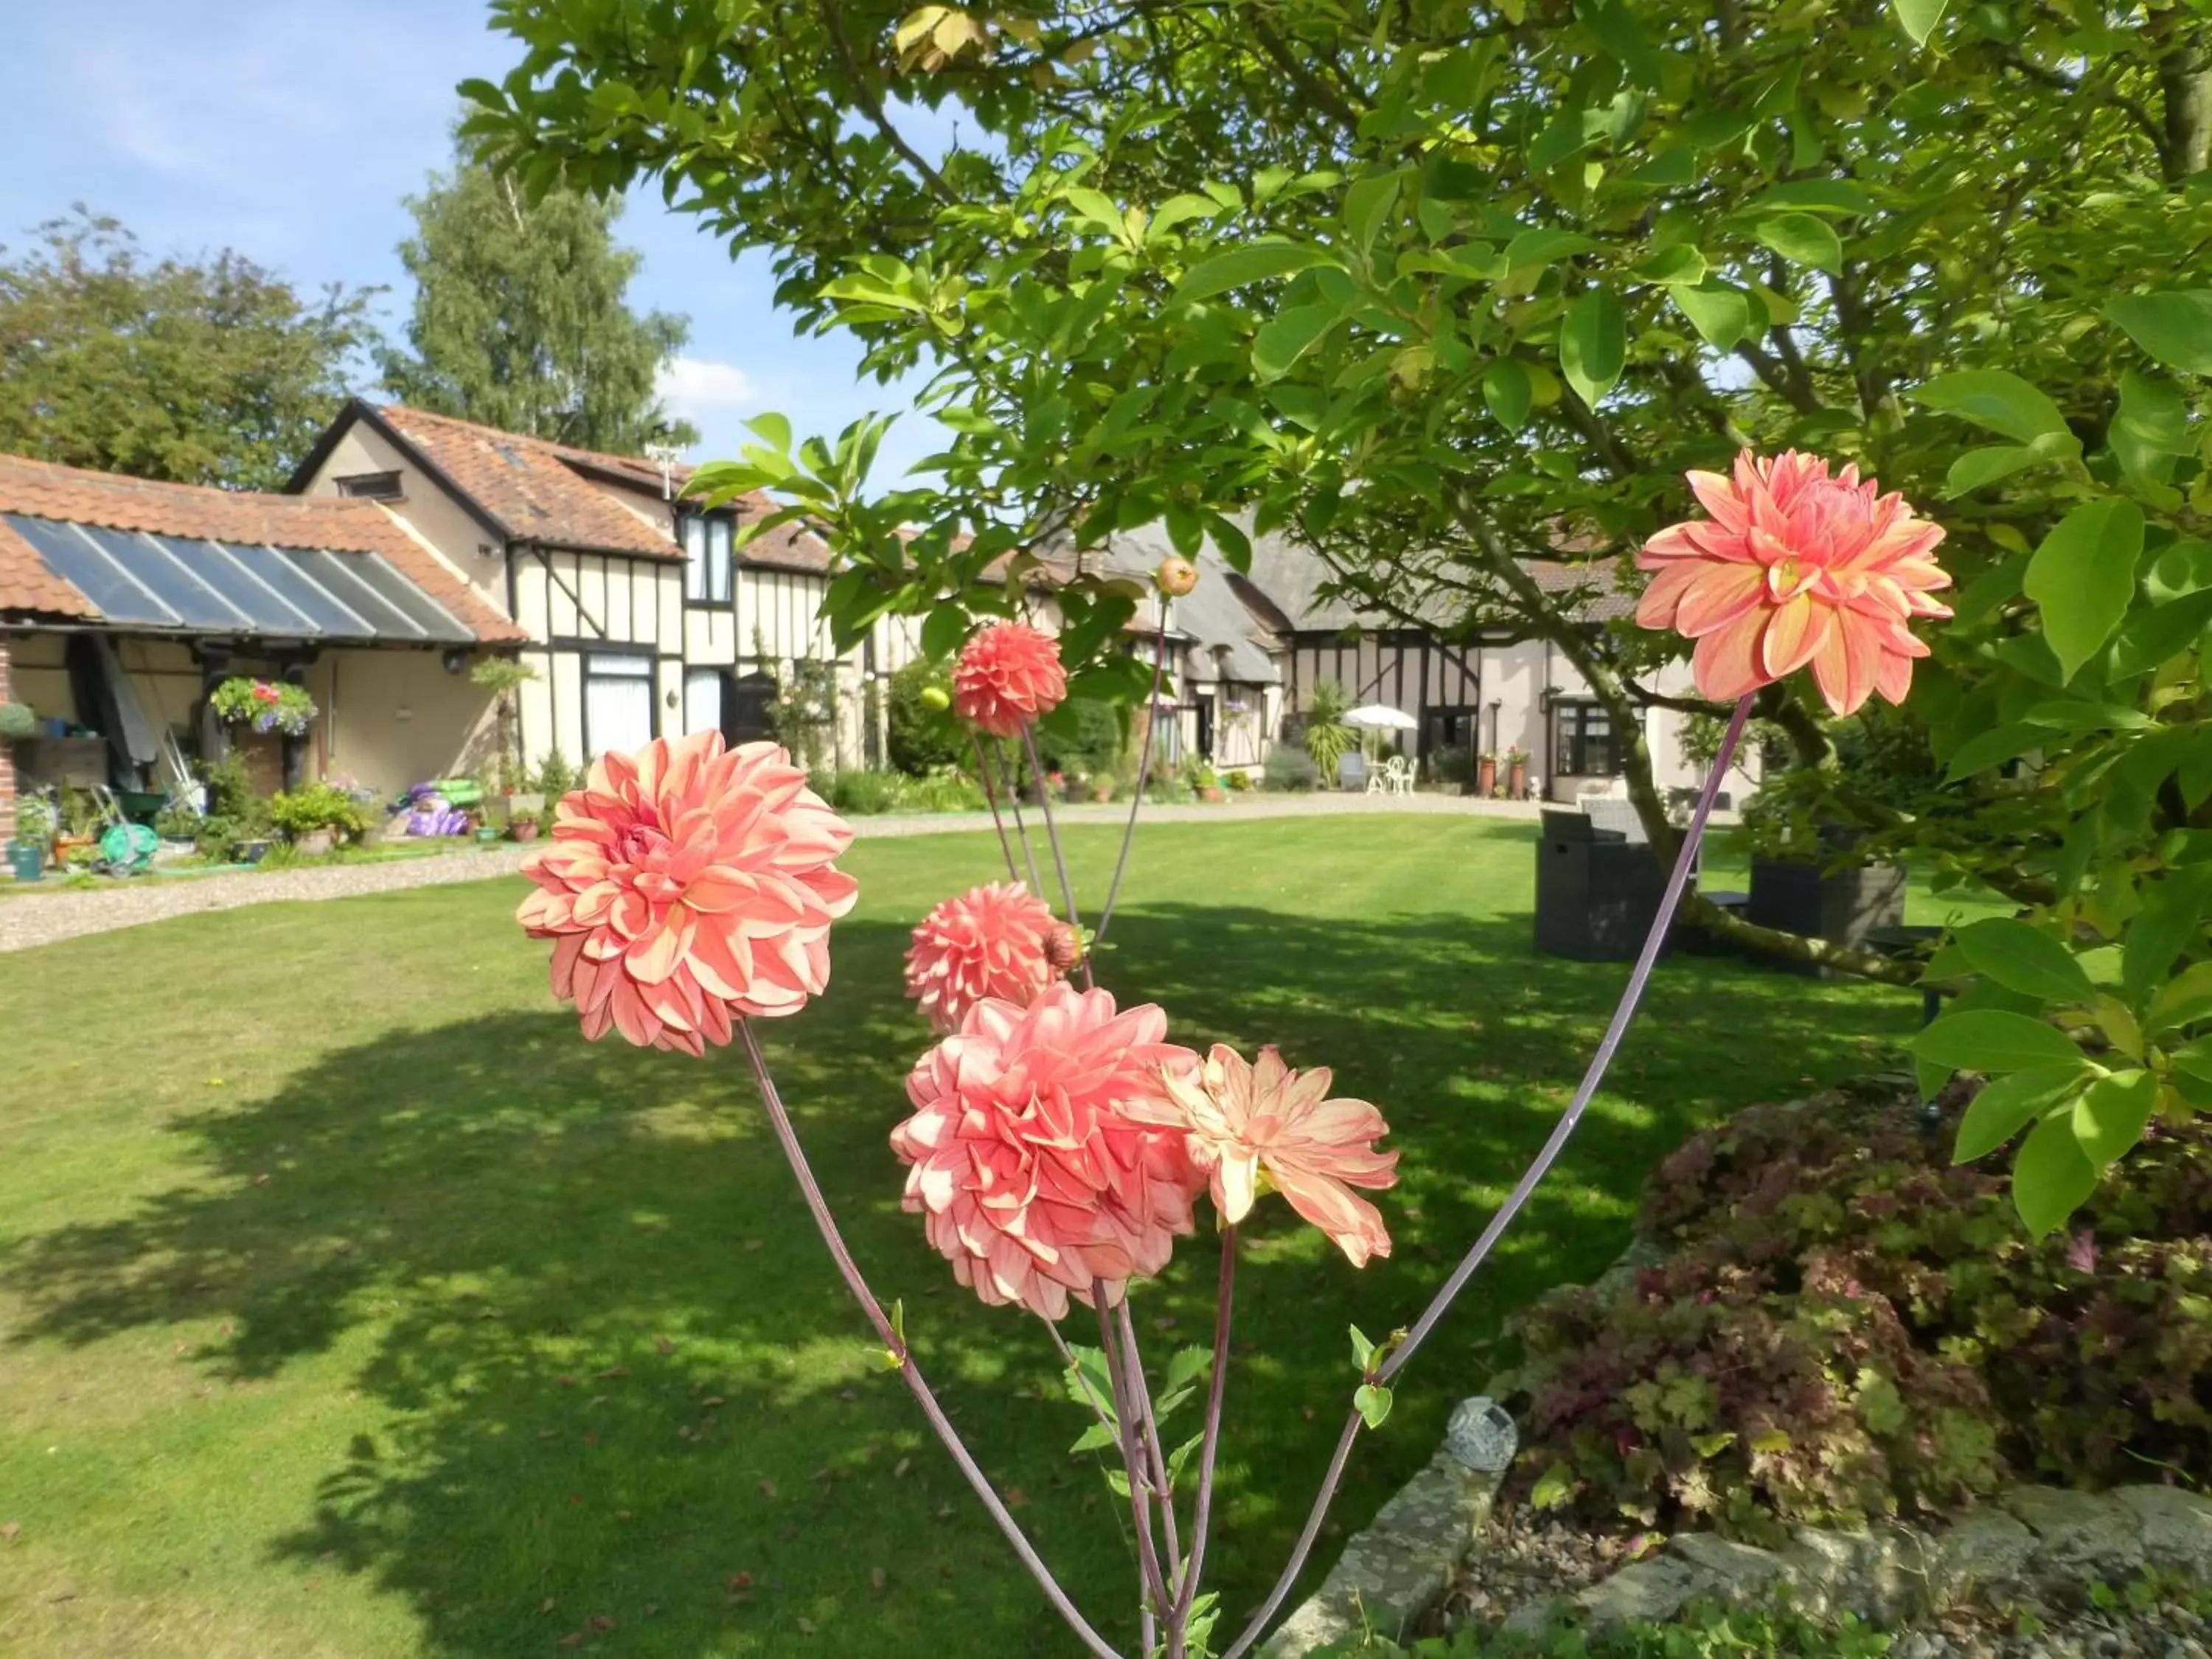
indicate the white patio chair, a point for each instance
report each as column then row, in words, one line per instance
column 1398, row 774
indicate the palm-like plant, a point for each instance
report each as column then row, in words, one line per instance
column 1328, row 738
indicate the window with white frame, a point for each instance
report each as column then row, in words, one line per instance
column 707, row 561
column 617, row 703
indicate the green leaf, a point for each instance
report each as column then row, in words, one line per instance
column 1919, row 17
column 1252, row 262
column 1367, row 201
column 1593, row 344
column 2175, row 327
column 1720, row 314
column 2150, row 430
column 1289, row 335
column 2150, row 638
column 2168, row 927
column 1096, row 1437
column 2083, row 576
column 1929, row 1077
column 2110, row 1116
column 1362, row 1349
column 1992, row 398
column 1993, row 748
column 942, row 631
column 2051, row 1178
column 1837, row 196
column 1372, row 1401
column 1679, row 264
column 1803, row 240
column 1534, row 249
column 1553, row 1489
column 2184, row 567
column 1977, row 467
column 1507, row 389
column 2182, row 1000
column 1991, row 1040
column 772, row 429
column 2018, row 955
column 1187, row 1364
column 2009, row 1104
column 1619, row 34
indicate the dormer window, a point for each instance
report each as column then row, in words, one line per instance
column 373, row 486
column 707, row 561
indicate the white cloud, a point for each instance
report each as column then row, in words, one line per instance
column 693, row 387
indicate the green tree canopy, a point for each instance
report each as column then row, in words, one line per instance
column 209, row 372
column 521, row 318
column 1442, row 285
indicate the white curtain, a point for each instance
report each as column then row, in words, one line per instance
column 703, row 699
column 618, row 703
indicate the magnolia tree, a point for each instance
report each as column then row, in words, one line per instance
column 1438, row 287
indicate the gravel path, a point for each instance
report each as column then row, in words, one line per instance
column 42, row 917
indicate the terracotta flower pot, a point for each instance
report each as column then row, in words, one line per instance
column 1516, row 780
column 524, row 829
column 1485, row 776
column 313, row 843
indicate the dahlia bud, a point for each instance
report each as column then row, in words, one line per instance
column 1063, row 947
column 936, row 697
column 1176, row 576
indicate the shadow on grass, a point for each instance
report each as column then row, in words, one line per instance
column 611, row 1375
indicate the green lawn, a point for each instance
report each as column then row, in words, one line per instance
column 352, row 1304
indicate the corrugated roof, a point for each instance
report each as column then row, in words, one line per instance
column 43, row 489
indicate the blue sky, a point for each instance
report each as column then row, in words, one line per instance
column 289, row 130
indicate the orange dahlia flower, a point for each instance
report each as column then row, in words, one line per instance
column 1793, row 568
column 1008, row 675
column 997, row 940
column 687, row 887
column 1259, row 1128
column 1027, row 1157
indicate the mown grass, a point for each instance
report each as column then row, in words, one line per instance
column 350, row 1304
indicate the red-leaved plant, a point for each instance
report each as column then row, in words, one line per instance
column 1059, row 1143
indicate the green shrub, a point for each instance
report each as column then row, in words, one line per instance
column 1287, row 767
column 554, row 779
column 1705, row 1632
column 861, row 793
column 1849, row 1326
column 923, row 735
column 17, row 722
column 317, row 806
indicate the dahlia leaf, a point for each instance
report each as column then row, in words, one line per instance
column 1373, row 1402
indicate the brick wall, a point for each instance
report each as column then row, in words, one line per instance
column 6, row 760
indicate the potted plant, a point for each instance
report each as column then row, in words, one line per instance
column 1516, row 773
column 1485, row 775
column 265, row 705
column 314, row 816
column 34, row 837
column 555, row 778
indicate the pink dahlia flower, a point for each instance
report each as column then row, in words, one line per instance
column 1256, row 1128
column 1008, row 675
column 1028, row 1159
column 992, row 941
column 688, row 887
column 1793, row 568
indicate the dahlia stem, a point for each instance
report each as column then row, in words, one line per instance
column 1685, row 856
column 1155, row 1595
column 787, row 1137
column 1059, row 853
column 1021, row 824
column 991, row 797
column 1143, row 771
column 1224, row 1300
column 1141, row 1392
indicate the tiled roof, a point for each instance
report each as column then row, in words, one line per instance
column 532, row 489
column 539, row 490
column 1604, row 598
column 42, row 489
